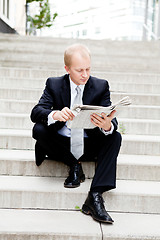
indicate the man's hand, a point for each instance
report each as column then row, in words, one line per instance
column 64, row 115
column 103, row 121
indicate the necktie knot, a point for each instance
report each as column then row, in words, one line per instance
column 78, row 90
column 78, row 97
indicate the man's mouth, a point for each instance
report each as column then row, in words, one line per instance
column 84, row 79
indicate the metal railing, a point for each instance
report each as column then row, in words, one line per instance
column 147, row 32
column 150, row 33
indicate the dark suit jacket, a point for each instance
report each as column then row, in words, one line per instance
column 57, row 96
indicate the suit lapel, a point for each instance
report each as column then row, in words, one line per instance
column 87, row 94
column 66, row 92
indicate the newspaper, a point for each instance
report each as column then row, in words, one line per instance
column 82, row 113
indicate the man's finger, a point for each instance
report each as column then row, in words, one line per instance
column 96, row 118
column 111, row 115
column 103, row 115
column 68, row 112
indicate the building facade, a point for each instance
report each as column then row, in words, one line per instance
column 103, row 19
column 13, row 16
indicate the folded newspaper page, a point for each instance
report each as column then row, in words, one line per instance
column 82, row 113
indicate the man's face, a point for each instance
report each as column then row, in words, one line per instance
column 79, row 70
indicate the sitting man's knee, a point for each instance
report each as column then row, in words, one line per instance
column 39, row 131
column 116, row 138
column 119, row 137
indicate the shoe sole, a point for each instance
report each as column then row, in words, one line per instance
column 86, row 210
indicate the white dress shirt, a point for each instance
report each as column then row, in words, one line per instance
column 64, row 131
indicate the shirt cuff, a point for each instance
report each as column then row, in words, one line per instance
column 50, row 118
column 108, row 132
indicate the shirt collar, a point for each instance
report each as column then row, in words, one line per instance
column 73, row 86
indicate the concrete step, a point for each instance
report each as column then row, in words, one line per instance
column 34, row 95
column 16, row 139
column 15, row 82
column 136, row 78
column 132, row 111
column 104, row 47
column 10, row 40
column 22, row 163
column 137, row 98
column 20, row 63
column 115, row 86
column 49, row 193
column 116, row 64
column 35, row 54
column 15, row 121
column 126, row 125
column 112, row 64
column 99, row 62
column 130, row 167
column 35, row 73
column 48, row 225
column 21, row 94
column 138, row 167
column 110, row 54
column 29, row 73
column 16, row 106
column 132, row 226
column 140, row 145
column 147, row 88
column 132, row 144
column 139, row 126
column 139, row 112
column 35, row 43
column 45, row 224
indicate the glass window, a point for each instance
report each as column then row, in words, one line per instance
column 84, row 32
column 97, row 30
column 4, row 7
column 77, row 33
column 7, row 8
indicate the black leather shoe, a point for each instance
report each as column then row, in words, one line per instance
column 39, row 154
column 94, row 206
column 76, row 176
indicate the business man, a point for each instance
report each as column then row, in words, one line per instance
column 56, row 140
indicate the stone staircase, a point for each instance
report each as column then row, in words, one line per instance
column 34, row 204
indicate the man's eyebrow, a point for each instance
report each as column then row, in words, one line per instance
column 78, row 69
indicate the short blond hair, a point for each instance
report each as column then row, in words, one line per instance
column 82, row 49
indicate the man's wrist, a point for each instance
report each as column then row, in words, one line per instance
column 51, row 120
column 53, row 115
column 109, row 131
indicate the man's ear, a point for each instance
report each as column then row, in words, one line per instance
column 67, row 69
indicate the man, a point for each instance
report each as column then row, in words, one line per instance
column 101, row 144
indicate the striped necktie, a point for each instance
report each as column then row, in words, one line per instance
column 76, row 133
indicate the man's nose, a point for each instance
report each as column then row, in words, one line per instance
column 84, row 74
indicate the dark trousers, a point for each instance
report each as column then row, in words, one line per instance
column 102, row 149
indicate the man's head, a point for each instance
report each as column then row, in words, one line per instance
column 78, row 63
